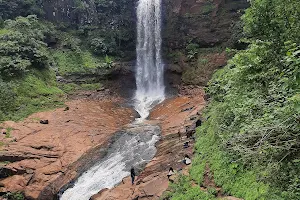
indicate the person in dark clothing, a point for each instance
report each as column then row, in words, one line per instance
column 132, row 174
column 171, row 172
column 186, row 145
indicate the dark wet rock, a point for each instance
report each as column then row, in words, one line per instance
column 198, row 122
column 44, row 121
column 187, row 109
column 101, row 89
column 175, row 68
column 67, row 108
column 6, row 172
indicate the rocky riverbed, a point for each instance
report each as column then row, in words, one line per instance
column 43, row 159
column 176, row 114
column 38, row 159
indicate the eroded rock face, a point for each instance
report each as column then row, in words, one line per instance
column 44, row 157
column 205, row 22
column 70, row 11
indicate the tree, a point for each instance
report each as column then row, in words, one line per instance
column 10, row 9
column 22, row 46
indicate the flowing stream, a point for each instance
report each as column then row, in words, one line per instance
column 135, row 147
column 149, row 66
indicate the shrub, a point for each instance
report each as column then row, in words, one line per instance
column 22, row 46
column 14, row 196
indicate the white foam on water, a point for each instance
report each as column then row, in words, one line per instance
column 135, row 147
column 149, row 66
column 105, row 175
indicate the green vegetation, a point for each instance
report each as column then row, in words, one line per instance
column 33, row 51
column 207, row 8
column 184, row 190
column 69, row 62
column 36, row 91
column 13, row 8
column 203, row 66
column 14, row 196
column 27, row 79
column 71, row 88
column 251, row 136
column 8, row 132
column 22, row 46
column 192, row 50
column 27, row 84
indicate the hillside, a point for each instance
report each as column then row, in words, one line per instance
column 231, row 64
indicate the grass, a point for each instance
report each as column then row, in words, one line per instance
column 14, row 196
column 206, row 9
column 36, row 91
column 234, row 178
column 1, row 144
column 184, row 190
column 71, row 88
column 70, row 61
column 4, row 163
column 8, row 132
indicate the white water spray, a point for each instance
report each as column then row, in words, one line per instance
column 149, row 66
column 133, row 147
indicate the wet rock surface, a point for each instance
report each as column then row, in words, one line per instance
column 173, row 116
column 133, row 146
column 41, row 158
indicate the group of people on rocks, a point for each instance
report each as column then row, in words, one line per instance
column 190, row 135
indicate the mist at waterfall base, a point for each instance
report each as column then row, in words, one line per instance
column 134, row 147
column 149, row 66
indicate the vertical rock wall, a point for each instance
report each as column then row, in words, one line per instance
column 205, row 22
column 72, row 11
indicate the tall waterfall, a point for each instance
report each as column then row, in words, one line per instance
column 149, row 66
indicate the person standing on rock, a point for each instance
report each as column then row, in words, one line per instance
column 132, row 174
column 171, row 172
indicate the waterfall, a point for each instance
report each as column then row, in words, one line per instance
column 149, row 66
column 136, row 145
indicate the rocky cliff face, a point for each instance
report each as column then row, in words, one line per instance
column 72, row 11
column 207, row 23
column 200, row 23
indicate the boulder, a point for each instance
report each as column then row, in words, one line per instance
column 44, row 121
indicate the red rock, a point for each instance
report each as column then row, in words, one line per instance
column 14, row 183
column 153, row 181
column 45, row 152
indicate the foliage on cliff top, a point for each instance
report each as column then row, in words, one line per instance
column 22, row 46
column 10, row 9
column 27, row 84
column 251, row 136
column 27, row 63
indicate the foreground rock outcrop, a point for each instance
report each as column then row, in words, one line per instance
column 38, row 159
